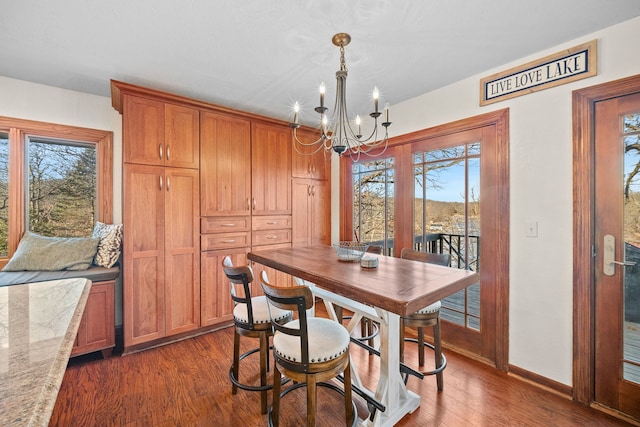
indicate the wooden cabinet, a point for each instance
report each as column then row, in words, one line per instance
column 311, row 212
column 270, row 169
column 308, row 161
column 96, row 331
column 217, row 305
column 225, row 169
column 201, row 182
column 159, row 133
column 161, row 252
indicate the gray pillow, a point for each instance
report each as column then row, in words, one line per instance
column 37, row 252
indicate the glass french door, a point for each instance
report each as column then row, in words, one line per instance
column 617, row 263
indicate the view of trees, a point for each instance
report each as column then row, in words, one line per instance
column 61, row 183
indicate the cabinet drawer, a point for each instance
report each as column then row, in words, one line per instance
column 271, row 222
column 271, row 237
column 210, row 242
column 224, row 224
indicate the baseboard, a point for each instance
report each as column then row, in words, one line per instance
column 555, row 387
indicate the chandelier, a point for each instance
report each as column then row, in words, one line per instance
column 336, row 130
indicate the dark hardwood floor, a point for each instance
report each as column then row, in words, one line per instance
column 186, row 384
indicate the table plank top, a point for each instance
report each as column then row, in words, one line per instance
column 396, row 285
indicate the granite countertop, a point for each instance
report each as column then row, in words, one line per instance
column 38, row 326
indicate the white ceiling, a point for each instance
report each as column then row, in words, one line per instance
column 262, row 55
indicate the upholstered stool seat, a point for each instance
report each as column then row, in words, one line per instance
column 433, row 308
column 327, row 341
column 260, row 312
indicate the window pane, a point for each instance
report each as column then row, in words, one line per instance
column 62, row 188
column 447, row 219
column 373, row 188
column 4, row 194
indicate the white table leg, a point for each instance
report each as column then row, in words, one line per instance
column 391, row 390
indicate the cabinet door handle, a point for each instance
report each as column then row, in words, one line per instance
column 254, row 203
column 227, row 225
column 160, row 150
column 272, row 237
column 248, row 204
column 168, row 183
column 168, row 153
column 228, row 241
column 308, row 190
column 313, row 190
column 272, row 222
column 160, row 183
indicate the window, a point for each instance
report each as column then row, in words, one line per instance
column 55, row 180
column 62, row 191
column 373, row 188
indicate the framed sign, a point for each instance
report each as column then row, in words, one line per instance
column 570, row 65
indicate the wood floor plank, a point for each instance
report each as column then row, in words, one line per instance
column 186, row 384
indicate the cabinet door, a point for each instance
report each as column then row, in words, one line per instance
column 311, row 212
column 181, row 136
column 301, row 209
column 97, row 328
column 217, row 305
column 225, row 166
column 304, row 162
column 271, row 169
column 143, row 246
column 320, row 217
column 182, row 250
column 142, row 130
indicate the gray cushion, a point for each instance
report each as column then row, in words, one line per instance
column 37, row 252
column 95, row 274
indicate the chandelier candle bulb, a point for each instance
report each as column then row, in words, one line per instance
column 386, row 112
column 376, row 95
column 296, row 110
column 322, row 90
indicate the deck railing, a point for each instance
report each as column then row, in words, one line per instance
column 450, row 243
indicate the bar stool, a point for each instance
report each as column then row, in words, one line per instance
column 309, row 350
column 427, row 316
column 251, row 319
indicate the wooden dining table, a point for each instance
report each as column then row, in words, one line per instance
column 395, row 288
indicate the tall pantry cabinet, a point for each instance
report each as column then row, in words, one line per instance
column 161, row 215
column 202, row 182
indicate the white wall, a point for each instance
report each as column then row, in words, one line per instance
column 541, row 281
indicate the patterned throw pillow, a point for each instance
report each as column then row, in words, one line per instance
column 109, row 247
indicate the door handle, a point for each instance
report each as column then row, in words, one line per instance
column 609, row 257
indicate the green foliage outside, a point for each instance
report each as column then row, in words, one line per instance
column 61, row 189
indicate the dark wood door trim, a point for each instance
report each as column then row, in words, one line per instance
column 584, row 101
